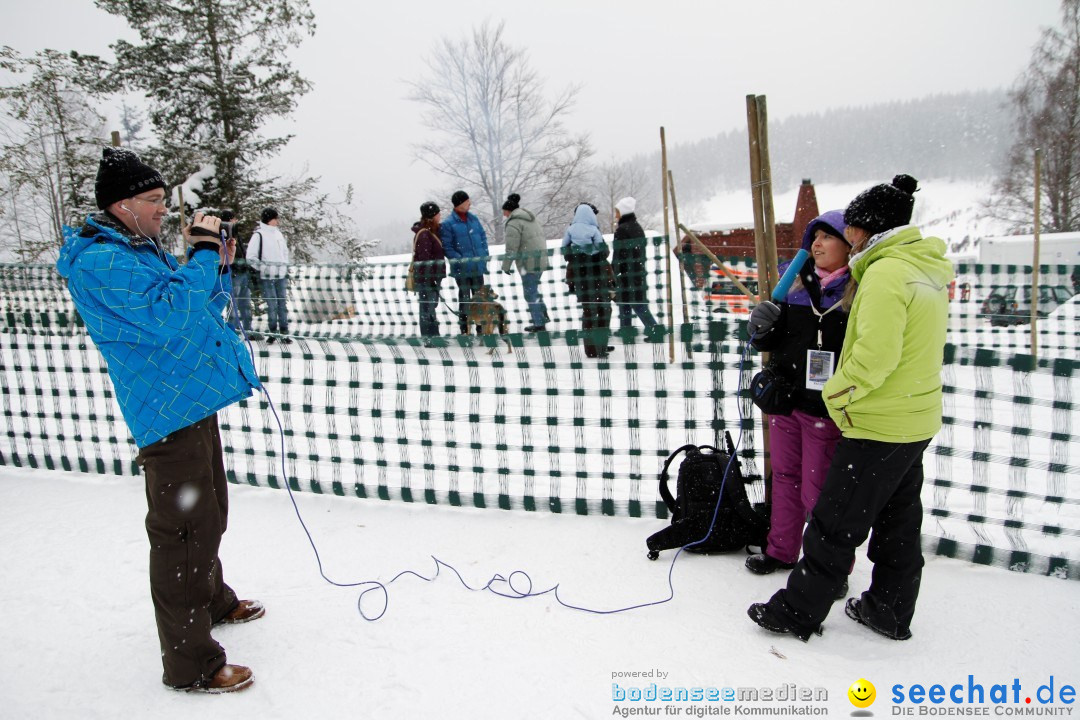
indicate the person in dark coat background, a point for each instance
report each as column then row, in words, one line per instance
column 631, row 285
column 811, row 319
column 465, row 244
column 588, row 273
column 429, row 268
column 240, row 314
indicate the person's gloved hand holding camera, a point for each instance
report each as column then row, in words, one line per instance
column 207, row 229
column 762, row 319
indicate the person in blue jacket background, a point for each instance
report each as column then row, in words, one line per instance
column 465, row 244
column 173, row 363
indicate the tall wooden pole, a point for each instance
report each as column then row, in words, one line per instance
column 755, row 195
column 1035, row 259
column 667, row 246
column 682, row 275
column 767, row 198
column 753, row 119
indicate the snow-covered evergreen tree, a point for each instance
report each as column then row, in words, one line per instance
column 215, row 73
column 50, row 140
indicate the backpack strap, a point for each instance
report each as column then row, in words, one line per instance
column 742, row 502
column 665, row 493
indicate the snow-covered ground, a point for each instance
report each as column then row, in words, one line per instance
column 78, row 636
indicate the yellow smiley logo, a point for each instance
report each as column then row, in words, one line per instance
column 862, row 693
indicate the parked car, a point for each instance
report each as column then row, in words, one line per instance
column 1007, row 305
column 1069, row 310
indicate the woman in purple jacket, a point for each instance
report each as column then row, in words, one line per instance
column 804, row 335
column 429, row 269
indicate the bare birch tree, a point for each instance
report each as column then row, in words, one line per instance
column 1046, row 99
column 613, row 181
column 495, row 131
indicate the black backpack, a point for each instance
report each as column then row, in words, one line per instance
column 701, row 476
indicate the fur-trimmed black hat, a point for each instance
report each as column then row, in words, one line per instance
column 883, row 207
column 513, row 202
column 429, row 210
column 458, row 197
column 121, row 174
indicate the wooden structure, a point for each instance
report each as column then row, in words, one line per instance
column 738, row 240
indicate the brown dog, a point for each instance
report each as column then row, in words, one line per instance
column 486, row 314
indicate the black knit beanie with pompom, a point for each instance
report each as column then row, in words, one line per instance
column 883, row 207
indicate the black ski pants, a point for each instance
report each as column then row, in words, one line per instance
column 592, row 285
column 187, row 500
column 872, row 487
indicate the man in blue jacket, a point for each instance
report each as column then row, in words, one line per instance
column 173, row 363
column 465, row 244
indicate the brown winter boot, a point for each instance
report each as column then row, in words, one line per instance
column 230, row 678
column 245, row 611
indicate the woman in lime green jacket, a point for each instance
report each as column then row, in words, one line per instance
column 886, row 399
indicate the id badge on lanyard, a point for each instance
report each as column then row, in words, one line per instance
column 820, row 363
column 819, row 368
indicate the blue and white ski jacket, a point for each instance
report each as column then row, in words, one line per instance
column 171, row 358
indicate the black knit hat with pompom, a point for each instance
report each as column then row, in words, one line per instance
column 883, row 207
column 513, row 202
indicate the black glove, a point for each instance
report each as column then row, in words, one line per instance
column 762, row 319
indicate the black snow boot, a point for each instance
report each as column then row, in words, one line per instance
column 856, row 610
column 765, row 564
column 764, row 616
column 841, row 593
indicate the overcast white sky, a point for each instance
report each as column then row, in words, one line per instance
column 684, row 64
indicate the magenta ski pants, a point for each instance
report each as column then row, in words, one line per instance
column 802, row 447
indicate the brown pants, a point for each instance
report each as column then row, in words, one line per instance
column 187, row 500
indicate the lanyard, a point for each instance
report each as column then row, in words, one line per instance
column 821, row 315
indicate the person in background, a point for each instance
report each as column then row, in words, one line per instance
column 526, row 246
column 695, row 264
column 886, row 399
column 173, row 364
column 589, row 275
column 631, row 286
column 465, row 244
column 240, row 308
column 804, row 335
column 268, row 254
column 429, row 269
